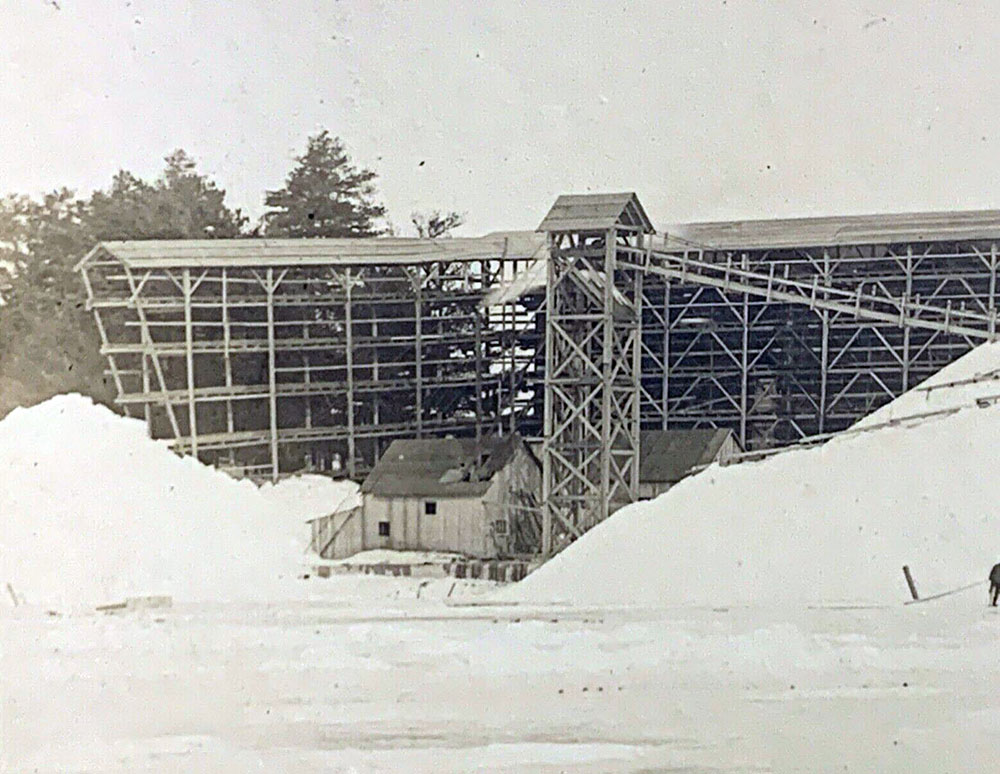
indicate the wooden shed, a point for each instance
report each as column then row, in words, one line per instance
column 440, row 494
column 667, row 456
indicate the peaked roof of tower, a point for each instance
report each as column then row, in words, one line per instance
column 596, row 212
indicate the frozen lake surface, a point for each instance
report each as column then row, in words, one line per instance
column 364, row 677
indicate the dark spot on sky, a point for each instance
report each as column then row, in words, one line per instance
column 421, row 163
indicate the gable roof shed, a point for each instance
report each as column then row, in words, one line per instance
column 440, row 467
column 667, row 456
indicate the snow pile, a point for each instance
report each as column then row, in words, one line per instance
column 959, row 384
column 92, row 511
column 308, row 496
column 833, row 523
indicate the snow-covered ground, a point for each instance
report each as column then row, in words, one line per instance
column 367, row 678
column 749, row 620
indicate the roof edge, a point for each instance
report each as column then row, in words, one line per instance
column 575, row 212
column 78, row 266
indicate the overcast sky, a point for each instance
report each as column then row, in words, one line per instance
column 708, row 110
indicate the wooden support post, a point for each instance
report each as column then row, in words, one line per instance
column 636, row 338
column 227, row 362
column 146, row 384
column 824, row 356
column 307, row 378
column 271, row 382
column 189, row 358
column 744, row 357
column 512, row 399
column 112, row 363
column 993, row 289
column 418, row 350
column 376, row 403
column 607, row 377
column 477, row 322
column 665, row 376
column 906, row 328
column 910, row 583
column 824, row 369
column 349, row 363
column 147, row 340
column 547, row 420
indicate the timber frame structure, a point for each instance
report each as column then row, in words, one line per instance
column 267, row 356
column 786, row 341
column 263, row 356
column 593, row 303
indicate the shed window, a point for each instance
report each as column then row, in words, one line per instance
column 500, row 527
column 430, row 507
column 383, row 529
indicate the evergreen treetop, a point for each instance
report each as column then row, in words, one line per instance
column 324, row 195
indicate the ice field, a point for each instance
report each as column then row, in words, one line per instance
column 752, row 619
column 365, row 678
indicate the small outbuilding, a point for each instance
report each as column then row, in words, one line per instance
column 667, row 456
column 483, row 499
column 452, row 495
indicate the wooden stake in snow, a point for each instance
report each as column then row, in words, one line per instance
column 910, row 583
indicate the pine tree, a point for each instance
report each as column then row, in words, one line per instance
column 181, row 204
column 48, row 341
column 325, row 195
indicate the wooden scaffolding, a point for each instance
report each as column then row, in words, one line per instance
column 268, row 356
column 263, row 356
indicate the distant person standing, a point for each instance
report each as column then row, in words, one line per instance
column 994, row 584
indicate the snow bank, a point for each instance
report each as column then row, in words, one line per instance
column 973, row 376
column 833, row 523
column 91, row 511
